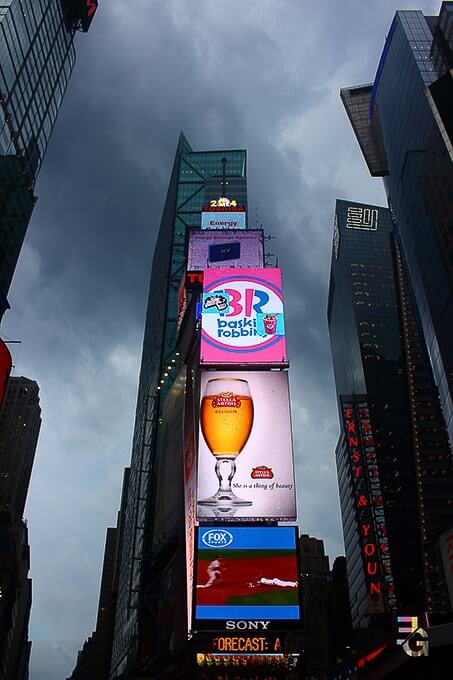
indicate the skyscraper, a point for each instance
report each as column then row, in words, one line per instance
column 403, row 124
column 393, row 457
column 20, row 422
column 196, row 178
column 37, row 56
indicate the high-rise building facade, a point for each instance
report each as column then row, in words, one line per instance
column 394, row 459
column 403, row 124
column 196, row 179
column 15, row 598
column 37, row 56
column 20, row 422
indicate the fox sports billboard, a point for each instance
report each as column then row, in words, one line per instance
column 247, row 579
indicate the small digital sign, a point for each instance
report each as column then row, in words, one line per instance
column 242, row 317
column 223, row 220
column 247, row 579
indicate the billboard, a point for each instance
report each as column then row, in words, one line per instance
column 245, row 454
column 219, row 249
column 190, row 490
column 223, row 220
column 246, row 579
column 242, row 317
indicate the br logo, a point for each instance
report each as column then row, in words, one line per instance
column 415, row 641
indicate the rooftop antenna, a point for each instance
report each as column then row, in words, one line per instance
column 224, row 163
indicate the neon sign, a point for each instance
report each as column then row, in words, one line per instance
column 369, row 507
column 223, row 203
column 246, row 644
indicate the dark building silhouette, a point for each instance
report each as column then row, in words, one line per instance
column 93, row 660
column 403, row 122
column 37, row 56
column 20, row 422
column 326, row 609
column 15, row 598
column 393, row 457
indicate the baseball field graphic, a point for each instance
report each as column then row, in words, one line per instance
column 251, row 573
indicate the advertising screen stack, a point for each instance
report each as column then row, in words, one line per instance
column 242, row 567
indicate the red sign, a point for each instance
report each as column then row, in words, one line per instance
column 87, row 11
column 6, row 363
column 262, row 472
column 369, row 507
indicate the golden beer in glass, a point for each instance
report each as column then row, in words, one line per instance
column 226, row 418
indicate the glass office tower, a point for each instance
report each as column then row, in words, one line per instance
column 394, row 459
column 146, row 551
column 37, row 56
column 404, row 128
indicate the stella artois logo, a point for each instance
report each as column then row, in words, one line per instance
column 226, row 399
column 262, row 472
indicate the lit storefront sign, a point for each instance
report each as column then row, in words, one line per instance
column 242, row 317
column 369, row 507
column 275, row 662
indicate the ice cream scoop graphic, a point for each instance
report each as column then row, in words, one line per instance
column 270, row 324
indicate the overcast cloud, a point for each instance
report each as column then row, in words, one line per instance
column 257, row 74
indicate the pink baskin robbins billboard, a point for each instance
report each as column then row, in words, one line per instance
column 242, row 317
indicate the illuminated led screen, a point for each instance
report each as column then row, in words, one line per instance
column 246, row 579
column 224, row 249
column 242, row 317
column 245, row 417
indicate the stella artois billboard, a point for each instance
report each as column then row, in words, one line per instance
column 242, row 317
column 245, row 455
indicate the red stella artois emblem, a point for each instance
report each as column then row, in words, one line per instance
column 261, row 472
column 226, row 399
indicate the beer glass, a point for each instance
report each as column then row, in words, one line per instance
column 226, row 417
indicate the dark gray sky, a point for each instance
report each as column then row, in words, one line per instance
column 257, row 74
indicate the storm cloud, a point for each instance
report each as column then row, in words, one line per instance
column 262, row 75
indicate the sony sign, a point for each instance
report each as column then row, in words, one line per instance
column 247, row 625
